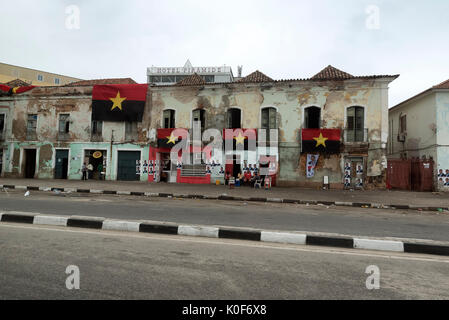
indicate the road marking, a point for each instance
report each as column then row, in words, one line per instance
column 229, row 242
column 50, row 220
column 195, row 231
column 372, row 244
column 283, row 237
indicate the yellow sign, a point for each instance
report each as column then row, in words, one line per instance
column 97, row 154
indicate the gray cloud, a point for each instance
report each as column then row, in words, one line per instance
column 284, row 39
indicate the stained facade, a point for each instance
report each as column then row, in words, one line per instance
column 355, row 107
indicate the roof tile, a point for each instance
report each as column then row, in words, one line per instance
column 17, row 83
column 256, row 76
column 192, row 80
column 332, row 73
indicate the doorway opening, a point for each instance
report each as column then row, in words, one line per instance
column 62, row 164
column 30, row 163
column 97, row 158
column 236, row 166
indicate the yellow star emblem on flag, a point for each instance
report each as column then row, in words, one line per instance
column 172, row 139
column 320, row 140
column 240, row 138
column 117, row 101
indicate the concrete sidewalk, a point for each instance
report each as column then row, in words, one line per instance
column 382, row 197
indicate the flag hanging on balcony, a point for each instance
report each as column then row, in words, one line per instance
column 321, row 140
column 119, row 102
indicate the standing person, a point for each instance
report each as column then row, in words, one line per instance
column 90, row 169
column 84, row 171
column 100, row 171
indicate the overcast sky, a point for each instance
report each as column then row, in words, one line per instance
column 283, row 39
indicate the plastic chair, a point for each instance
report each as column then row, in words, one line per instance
column 258, row 184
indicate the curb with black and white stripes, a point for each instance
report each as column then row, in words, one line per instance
column 230, row 198
column 412, row 246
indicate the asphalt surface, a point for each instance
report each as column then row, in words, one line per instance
column 288, row 217
column 114, row 265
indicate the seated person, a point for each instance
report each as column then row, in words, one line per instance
column 247, row 178
column 239, row 179
column 227, row 177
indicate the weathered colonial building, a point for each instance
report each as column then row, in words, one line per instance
column 49, row 133
column 356, row 108
column 419, row 128
column 337, row 121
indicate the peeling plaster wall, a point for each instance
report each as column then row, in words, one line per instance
column 48, row 103
column 289, row 99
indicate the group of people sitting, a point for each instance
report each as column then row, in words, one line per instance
column 247, row 179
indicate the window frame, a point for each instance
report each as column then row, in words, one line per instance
column 228, row 126
column 355, row 132
column 66, row 123
column 34, row 132
column 202, row 117
column 306, row 116
column 402, row 123
column 172, row 119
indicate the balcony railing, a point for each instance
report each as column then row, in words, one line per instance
column 96, row 137
column 355, row 136
column 63, row 136
column 31, row 135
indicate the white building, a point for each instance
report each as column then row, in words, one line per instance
column 419, row 127
column 172, row 75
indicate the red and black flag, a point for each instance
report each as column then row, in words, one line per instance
column 246, row 138
column 5, row 88
column 119, row 102
column 321, row 140
column 166, row 138
column 15, row 90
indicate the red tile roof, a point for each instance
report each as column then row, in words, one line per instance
column 192, row 80
column 332, row 73
column 17, row 83
column 101, row 81
column 256, row 76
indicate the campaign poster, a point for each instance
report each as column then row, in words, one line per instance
column 312, row 160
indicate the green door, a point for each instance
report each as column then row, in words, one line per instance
column 126, row 165
column 62, row 164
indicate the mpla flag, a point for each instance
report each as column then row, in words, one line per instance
column 119, row 102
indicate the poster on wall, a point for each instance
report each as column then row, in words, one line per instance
column 312, row 160
column 347, row 177
column 359, row 173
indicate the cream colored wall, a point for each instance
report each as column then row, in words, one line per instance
column 10, row 72
column 421, row 128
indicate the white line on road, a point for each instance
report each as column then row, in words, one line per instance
column 241, row 243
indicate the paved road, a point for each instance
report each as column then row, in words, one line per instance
column 117, row 265
column 344, row 220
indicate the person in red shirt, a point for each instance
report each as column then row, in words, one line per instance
column 247, row 178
